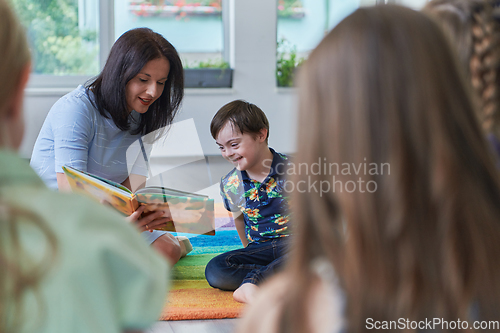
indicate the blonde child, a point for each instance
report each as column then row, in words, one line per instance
column 67, row 264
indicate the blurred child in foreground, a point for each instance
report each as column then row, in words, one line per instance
column 67, row 264
column 383, row 87
column 473, row 27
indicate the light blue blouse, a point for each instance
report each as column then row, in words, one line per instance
column 76, row 134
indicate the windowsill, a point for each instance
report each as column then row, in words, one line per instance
column 209, row 91
column 207, row 81
column 286, row 90
column 46, row 92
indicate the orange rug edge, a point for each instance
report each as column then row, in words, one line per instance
column 199, row 314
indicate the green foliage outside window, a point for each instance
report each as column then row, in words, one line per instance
column 290, row 8
column 59, row 47
column 286, row 63
column 210, row 63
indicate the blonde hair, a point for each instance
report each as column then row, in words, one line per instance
column 475, row 33
column 19, row 271
column 384, row 87
column 14, row 51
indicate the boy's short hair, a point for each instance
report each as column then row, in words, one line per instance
column 246, row 117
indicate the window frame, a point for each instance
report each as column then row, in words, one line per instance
column 196, row 79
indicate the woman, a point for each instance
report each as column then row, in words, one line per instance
column 98, row 128
column 414, row 233
column 67, row 264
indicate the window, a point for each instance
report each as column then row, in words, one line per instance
column 63, row 35
column 301, row 26
column 70, row 39
column 415, row 4
column 194, row 27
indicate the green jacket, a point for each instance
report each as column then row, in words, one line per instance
column 104, row 278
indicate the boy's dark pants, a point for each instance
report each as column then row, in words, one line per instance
column 252, row 264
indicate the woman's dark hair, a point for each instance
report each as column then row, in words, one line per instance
column 128, row 56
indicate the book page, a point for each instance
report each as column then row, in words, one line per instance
column 116, row 195
column 168, row 191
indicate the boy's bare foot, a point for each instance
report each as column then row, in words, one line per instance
column 245, row 293
column 185, row 245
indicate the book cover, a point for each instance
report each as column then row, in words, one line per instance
column 190, row 212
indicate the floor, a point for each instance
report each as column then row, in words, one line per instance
column 194, row 326
column 189, row 175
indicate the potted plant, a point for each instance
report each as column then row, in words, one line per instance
column 208, row 74
column 287, row 62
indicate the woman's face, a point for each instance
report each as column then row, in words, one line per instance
column 147, row 85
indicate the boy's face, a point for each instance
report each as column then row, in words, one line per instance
column 241, row 149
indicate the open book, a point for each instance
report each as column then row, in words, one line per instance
column 190, row 212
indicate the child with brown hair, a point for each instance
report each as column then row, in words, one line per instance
column 473, row 28
column 420, row 253
column 253, row 191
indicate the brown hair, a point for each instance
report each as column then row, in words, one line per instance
column 383, row 87
column 14, row 53
column 475, row 32
column 19, row 271
column 247, row 117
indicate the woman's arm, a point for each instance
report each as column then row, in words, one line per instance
column 62, row 182
column 134, row 182
column 72, row 126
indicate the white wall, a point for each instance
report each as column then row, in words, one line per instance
column 253, row 57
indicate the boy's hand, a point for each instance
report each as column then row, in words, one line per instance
column 239, row 223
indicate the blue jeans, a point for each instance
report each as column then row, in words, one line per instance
column 252, row 264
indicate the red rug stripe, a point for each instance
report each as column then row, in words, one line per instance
column 195, row 300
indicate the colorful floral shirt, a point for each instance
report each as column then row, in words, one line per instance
column 264, row 205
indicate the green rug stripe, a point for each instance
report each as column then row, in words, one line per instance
column 195, row 260
column 189, row 273
column 191, row 267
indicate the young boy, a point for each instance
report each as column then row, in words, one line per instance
column 253, row 191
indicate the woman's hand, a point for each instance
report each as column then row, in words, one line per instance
column 149, row 221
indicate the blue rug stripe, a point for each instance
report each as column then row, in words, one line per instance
column 223, row 241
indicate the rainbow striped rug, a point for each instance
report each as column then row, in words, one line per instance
column 190, row 296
